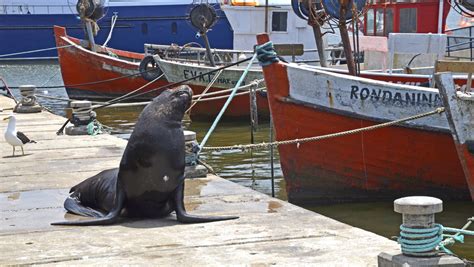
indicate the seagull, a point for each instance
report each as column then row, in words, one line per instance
column 14, row 137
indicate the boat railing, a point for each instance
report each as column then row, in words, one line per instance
column 25, row 9
column 460, row 41
column 194, row 53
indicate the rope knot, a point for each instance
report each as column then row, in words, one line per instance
column 266, row 54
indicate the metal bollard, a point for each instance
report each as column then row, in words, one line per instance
column 191, row 147
column 418, row 213
column 81, row 115
column 193, row 169
column 28, row 103
column 419, row 235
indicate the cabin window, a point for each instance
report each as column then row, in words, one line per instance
column 279, row 21
column 370, row 22
column 174, row 28
column 144, row 28
column 379, row 21
column 388, row 21
column 408, row 20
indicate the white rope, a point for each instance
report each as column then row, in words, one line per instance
column 256, row 82
column 205, row 90
column 132, row 92
column 225, row 96
column 113, row 20
column 34, row 51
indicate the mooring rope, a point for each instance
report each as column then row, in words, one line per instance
column 244, row 87
column 321, row 137
column 266, row 54
column 206, row 99
column 224, row 108
column 7, row 88
column 144, row 103
column 115, row 100
column 61, row 129
column 458, row 236
column 35, row 51
column 89, row 83
column 214, row 79
column 177, row 83
column 429, row 241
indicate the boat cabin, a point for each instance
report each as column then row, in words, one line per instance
column 411, row 16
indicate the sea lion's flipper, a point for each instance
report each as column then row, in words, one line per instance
column 73, row 205
column 184, row 217
column 110, row 218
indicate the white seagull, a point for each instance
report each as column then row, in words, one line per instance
column 14, row 137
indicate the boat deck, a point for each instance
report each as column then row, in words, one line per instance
column 269, row 231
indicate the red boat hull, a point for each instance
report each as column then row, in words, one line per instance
column 383, row 164
column 81, row 66
column 239, row 107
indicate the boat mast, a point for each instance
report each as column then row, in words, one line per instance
column 345, row 36
column 90, row 11
column 440, row 16
column 203, row 17
column 316, row 23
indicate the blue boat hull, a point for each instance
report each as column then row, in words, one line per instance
column 135, row 26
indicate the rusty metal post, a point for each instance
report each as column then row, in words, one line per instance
column 345, row 37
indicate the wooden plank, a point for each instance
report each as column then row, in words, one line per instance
column 33, row 168
column 61, row 144
column 67, row 154
column 50, row 180
column 289, row 49
column 454, row 66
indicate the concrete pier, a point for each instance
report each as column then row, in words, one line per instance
column 268, row 232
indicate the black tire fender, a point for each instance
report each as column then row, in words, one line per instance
column 149, row 69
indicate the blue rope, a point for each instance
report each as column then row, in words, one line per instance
column 266, row 54
column 231, row 96
column 426, row 241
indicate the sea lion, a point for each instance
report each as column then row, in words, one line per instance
column 150, row 179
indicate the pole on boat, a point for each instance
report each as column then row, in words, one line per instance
column 319, row 45
column 316, row 23
column 440, row 16
column 272, row 167
column 266, row 16
column 90, row 11
column 90, row 35
column 345, row 36
column 208, row 49
column 203, row 17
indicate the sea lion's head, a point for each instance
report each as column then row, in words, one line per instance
column 172, row 103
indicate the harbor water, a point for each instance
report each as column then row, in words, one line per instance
column 250, row 169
